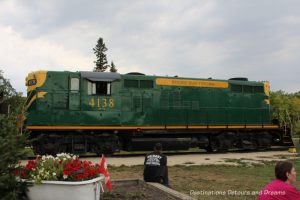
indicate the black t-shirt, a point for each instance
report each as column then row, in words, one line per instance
column 155, row 167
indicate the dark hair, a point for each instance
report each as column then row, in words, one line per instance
column 281, row 168
column 158, row 147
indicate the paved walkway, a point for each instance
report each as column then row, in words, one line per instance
column 201, row 159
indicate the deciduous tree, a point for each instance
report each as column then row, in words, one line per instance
column 10, row 100
column 6, row 90
column 286, row 108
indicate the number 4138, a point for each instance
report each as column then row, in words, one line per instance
column 102, row 103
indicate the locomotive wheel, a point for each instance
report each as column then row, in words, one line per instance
column 43, row 148
column 211, row 149
column 38, row 149
column 264, row 142
column 219, row 144
column 214, row 145
column 97, row 149
column 100, row 149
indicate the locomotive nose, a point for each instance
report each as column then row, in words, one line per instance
column 35, row 80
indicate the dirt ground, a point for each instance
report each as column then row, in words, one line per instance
column 135, row 192
column 199, row 159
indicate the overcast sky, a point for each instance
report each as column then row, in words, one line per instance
column 258, row 39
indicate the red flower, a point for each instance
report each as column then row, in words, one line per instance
column 23, row 174
column 30, row 165
column 67, row 172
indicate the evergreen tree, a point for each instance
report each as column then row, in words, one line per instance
column 12, row 150
column 99, row 51
column 12, row 145
column 113, row 67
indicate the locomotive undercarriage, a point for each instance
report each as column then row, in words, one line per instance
column 241, row 140
column 74, row 143
column 211, row 141
column 109, row 142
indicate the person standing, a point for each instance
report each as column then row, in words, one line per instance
column 155, row 166
column 281, row 188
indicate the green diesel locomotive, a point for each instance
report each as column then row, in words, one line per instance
column 105, row 112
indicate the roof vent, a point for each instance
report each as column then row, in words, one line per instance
column 239, row 79
column 135, row 73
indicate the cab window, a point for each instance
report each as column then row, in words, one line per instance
column 74, row 84
column 99, row 88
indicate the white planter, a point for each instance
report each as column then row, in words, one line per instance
column 64, row 190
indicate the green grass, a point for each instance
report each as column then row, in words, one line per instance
column 221, row 178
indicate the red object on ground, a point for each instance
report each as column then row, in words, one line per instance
column 103, row 170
